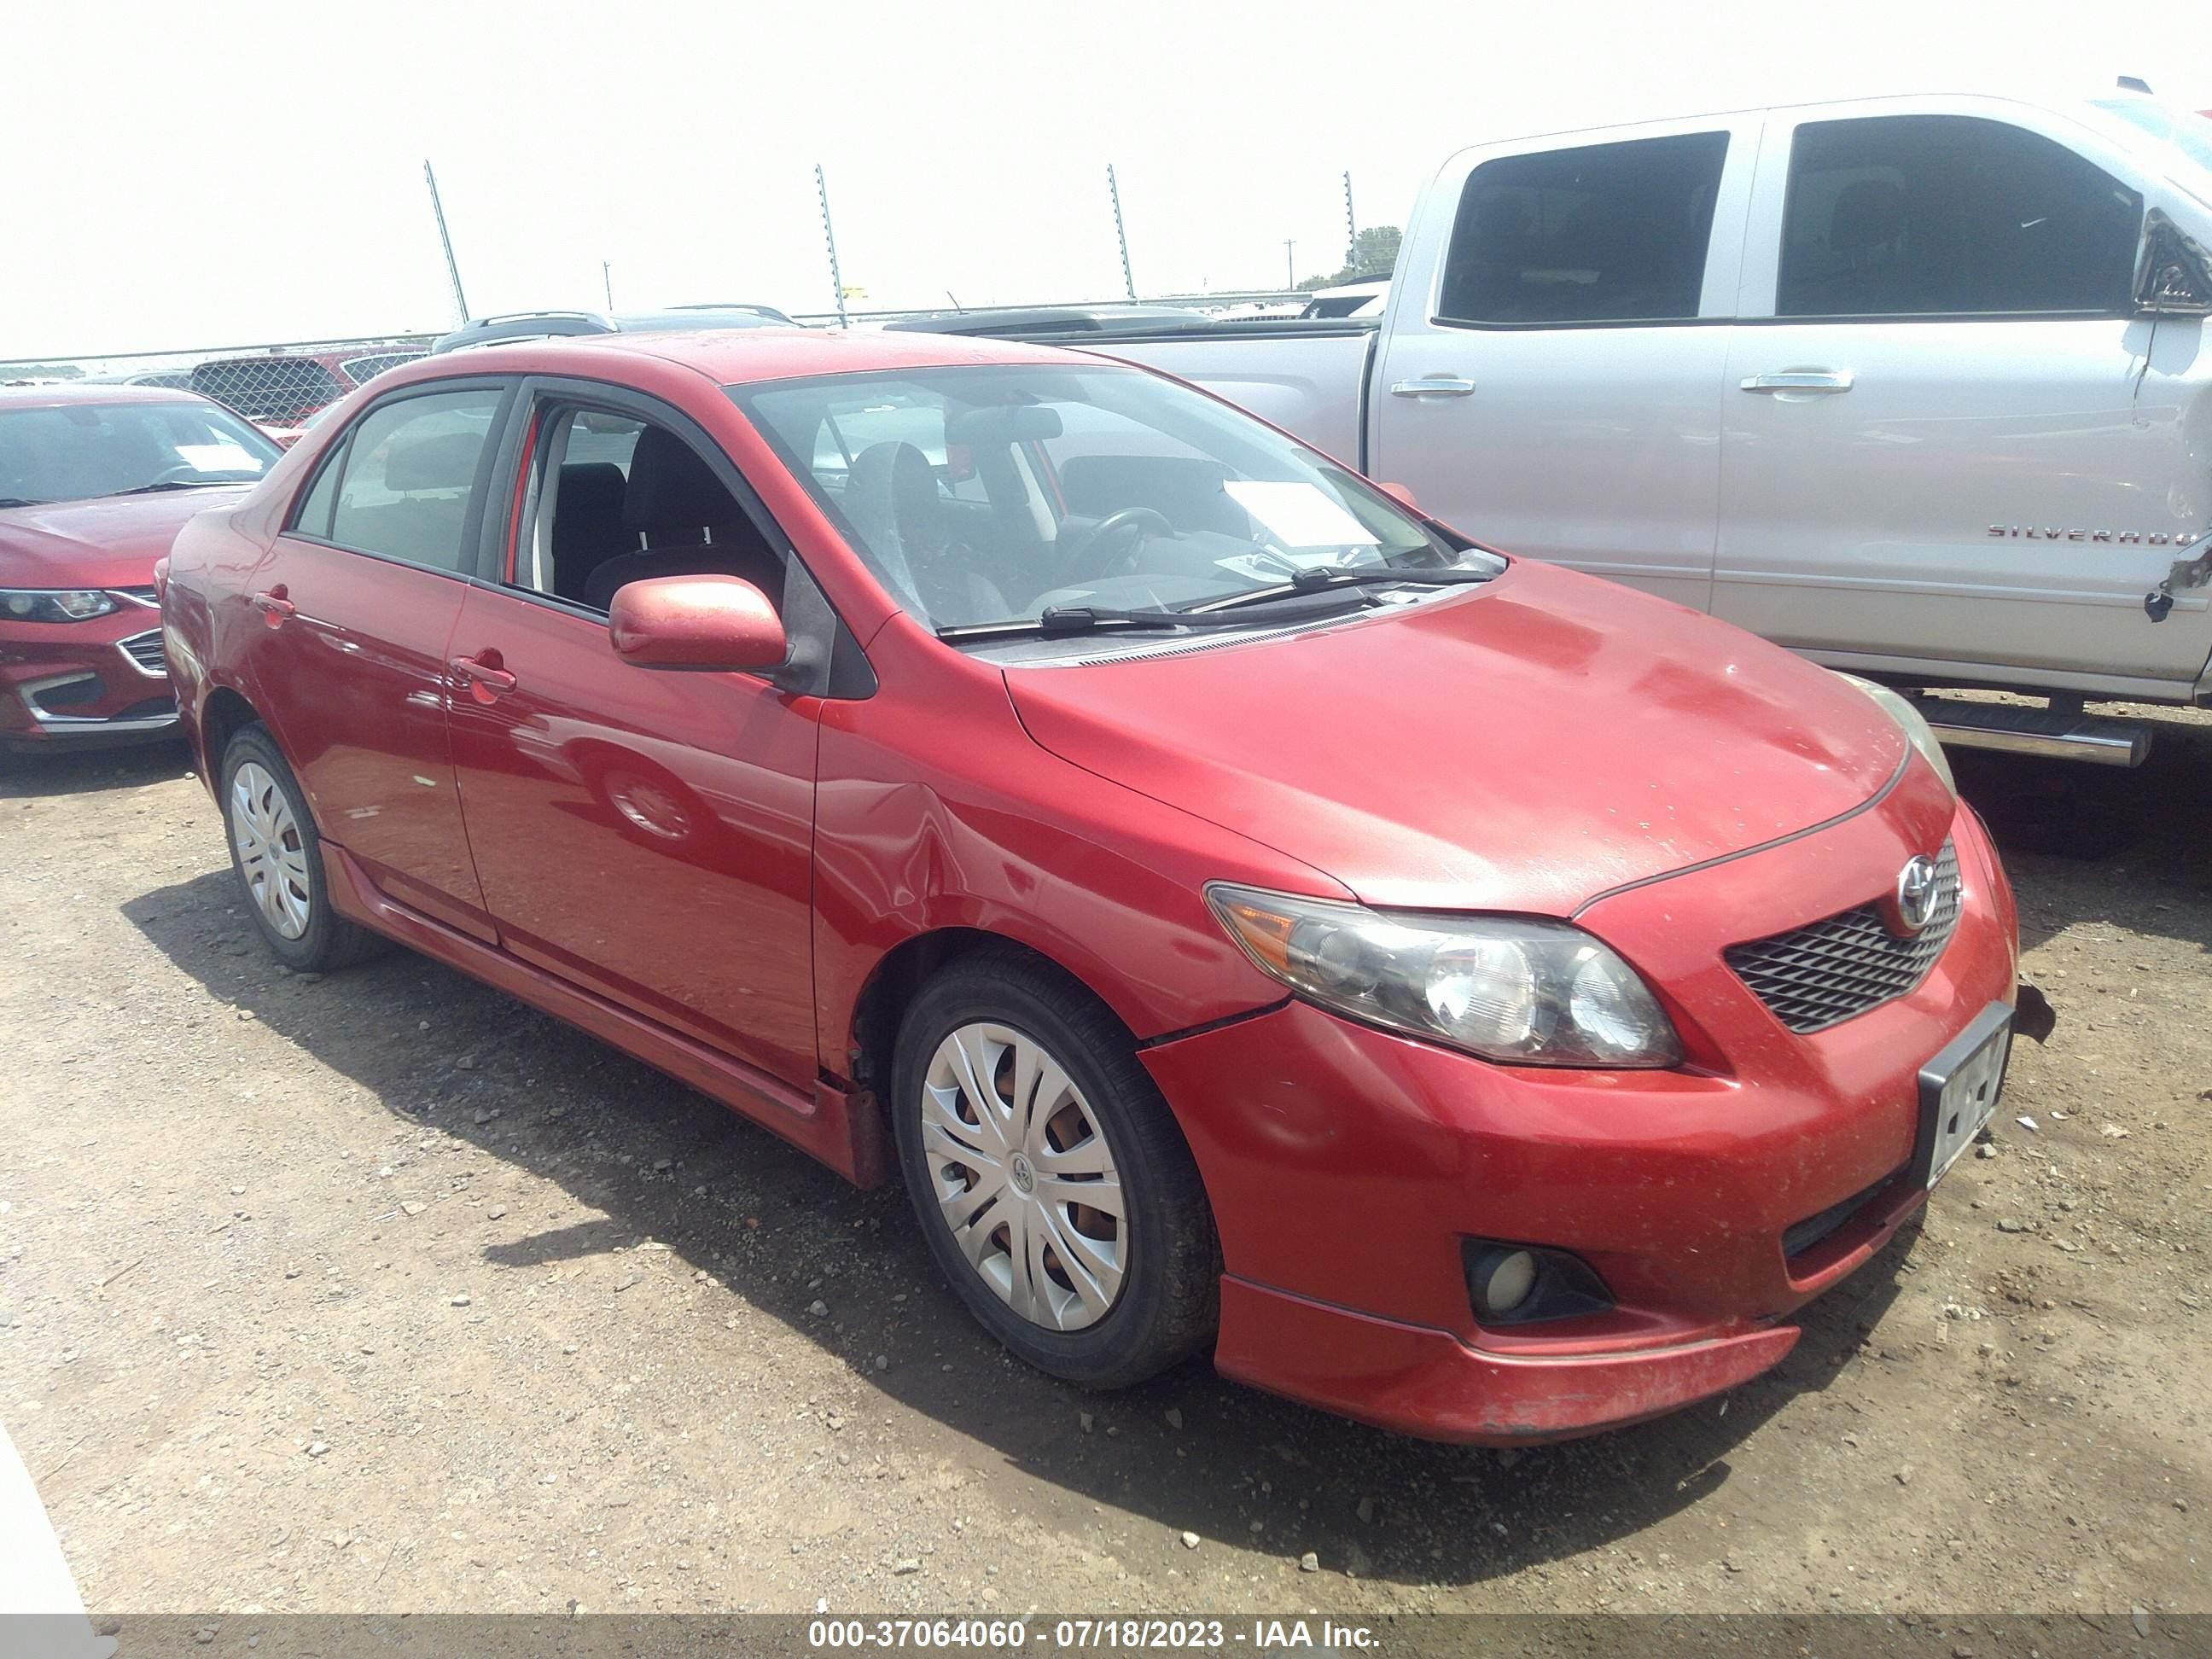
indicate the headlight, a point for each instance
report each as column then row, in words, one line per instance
column 1912, row 723
column 1511, row 989
column 54, row 603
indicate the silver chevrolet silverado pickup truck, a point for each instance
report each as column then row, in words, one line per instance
column 1918, row 386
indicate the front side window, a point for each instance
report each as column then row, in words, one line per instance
column 1949, row 216
column 75, row 451
column 1599, row 233
column 403, row 479
column 620, row 500
column 981, row 496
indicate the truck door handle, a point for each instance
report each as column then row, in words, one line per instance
column 1432, row 386
column 274, row 606
column 1801, row 380
column 486, row 680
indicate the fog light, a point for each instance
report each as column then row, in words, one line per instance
column 1502, row 1282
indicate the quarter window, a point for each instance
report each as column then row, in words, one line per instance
column 1949, row 214
column 403, row 484
column 1599, row 233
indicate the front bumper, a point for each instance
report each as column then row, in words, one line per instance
column 1346, row 1165
column 85, row 684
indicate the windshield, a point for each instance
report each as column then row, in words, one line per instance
column 986, row 494
column 2181, row 139
column 73, row 452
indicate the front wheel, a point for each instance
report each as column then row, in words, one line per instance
column 278, row 858
column 1054, row 1188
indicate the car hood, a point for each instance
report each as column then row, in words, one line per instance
column 111, row 541
column 1524, row 747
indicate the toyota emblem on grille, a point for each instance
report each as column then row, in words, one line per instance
column 1916, row 894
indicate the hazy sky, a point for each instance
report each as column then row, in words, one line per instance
column 203, row 174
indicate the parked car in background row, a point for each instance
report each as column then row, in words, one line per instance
column 1363, row 298
column 1914, row 386
column 1054, row 320
column 278, row 391
column 560, row 325
column 1018, row 769
column 95, row 482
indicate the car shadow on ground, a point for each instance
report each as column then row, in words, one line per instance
column 28, row 777
column 2100, row 843
column 773, row 1226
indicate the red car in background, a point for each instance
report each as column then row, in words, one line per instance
column 1250, row 917
column 95, row 482
column 279, row 391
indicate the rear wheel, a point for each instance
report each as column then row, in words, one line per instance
column 1051, row 1181
column 278, row 858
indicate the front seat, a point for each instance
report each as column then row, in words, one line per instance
column 892, row 499
column 587, row 523
column 690, row 524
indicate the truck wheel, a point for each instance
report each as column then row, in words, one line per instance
column 1054, row 1188
column 278, row 858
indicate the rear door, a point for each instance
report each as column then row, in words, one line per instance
column 1949, row 447
column 359, row 596
column 1551, row 364
column 646, row 834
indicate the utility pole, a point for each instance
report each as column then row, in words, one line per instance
column 1289, row 265
column 829, row 236
column 607, row 277
column 1122, row 235
column 1351, row 228
column 452, row 269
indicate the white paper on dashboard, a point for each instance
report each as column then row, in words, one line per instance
column 1298, row 514
column 217, row 458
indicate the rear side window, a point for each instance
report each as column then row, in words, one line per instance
column 1949, row 214
column 403, row 483
column 1600, row 234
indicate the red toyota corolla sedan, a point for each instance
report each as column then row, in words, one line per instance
column 95, row 484
column 1248, row 916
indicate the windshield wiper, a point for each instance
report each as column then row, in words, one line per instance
column 18, row 501
column 1322, row 578
column 172, row 483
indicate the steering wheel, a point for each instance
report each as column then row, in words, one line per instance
column 1113, row 524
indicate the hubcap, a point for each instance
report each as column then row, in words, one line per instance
column 1025, row 1177
column 271, row 856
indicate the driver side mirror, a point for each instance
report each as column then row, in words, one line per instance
column 1400, row 494
column 2173, row 275
column 710, row 623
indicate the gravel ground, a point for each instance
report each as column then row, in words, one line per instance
column 381, row 1292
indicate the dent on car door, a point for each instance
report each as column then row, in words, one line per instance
column 356, row 602
column 1555, row 388
column 646, row 834
column 1950, row 445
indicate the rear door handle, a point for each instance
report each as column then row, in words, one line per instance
column 1801, row 380
column 483, row 676
column 274, row 606
column 1432, row 386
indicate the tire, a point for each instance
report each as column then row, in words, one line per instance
column 1058, row 1306
column 278, row 858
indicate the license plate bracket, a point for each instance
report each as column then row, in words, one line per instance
column 1959, row 1091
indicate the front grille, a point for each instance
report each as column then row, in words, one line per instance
column 1826, row 972
column 145, row 650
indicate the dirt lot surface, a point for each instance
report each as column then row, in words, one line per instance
column 381, row 1292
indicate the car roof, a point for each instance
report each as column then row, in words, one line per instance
column 62, row 393
column 731, row 356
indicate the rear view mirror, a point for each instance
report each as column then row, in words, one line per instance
column 706, row 623
column 1000, row 424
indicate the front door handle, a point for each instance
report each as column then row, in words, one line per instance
column 1801, row 380
column 1432, row 386
column 484, row 675
column 274, row 606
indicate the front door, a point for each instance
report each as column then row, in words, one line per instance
column 359, row 596
column 1556, row 390
column 646, row 834
column 1949, row 447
